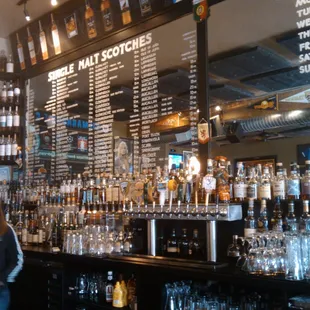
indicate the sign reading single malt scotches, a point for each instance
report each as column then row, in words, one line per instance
column 303, row 22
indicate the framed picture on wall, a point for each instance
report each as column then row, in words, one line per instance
column 123, row 155
column 186, row 157
column 253, row 161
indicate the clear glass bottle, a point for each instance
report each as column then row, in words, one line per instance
column 9, row 119
column 293, row 183
column 8, row 148
column 119, row 244
column 20, row 53
column 291, row 220
column 4, row 93
column 305, row 183
column 250, row 222
column 3, row 120
column 128, row 244
column 10, row 64
column 10, row 93
column 264, row 191
column 32, row 52
column 14, row 148
column 240, row 184
column 252, row 186
column 278, row 184
column 55, row 36
column 43, row 42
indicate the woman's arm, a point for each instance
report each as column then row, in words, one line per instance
column 14, row 257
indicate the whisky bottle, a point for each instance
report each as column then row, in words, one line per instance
column 16, row 92
column 250, row 223
column 106, row 12
column 20, row 53
column 195, row 249
column 146, row 8
column 10, row 64
column 3, row 61
column 55, row 35
column 3, row 120
column 230, row 180
column 9, row 119
column 293, row 184
column 183, row 244
column 305, row 217
column 90, row 21
column 119, row 244
column 252, row 185
column 8, row 148
column 32, row 52
column 305, row 183
column 240, row 184
column 278, row 185
column 2, row 147
column 290, row 221
column 10, row 93
column 109, row 287
column 264, row 191
column 172, row 245
column 277, row 219
column 128, row 244
column 43, row 43
column 4, row 93
column 14, row 148
column 262, row 223
column 126, row 15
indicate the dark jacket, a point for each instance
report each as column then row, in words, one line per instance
column 11, row 256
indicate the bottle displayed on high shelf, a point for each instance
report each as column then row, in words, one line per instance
column 172, row 245
column 195, row 247
column 304, row 224
column 250, row 222
column 20, row 53
column 126, row 14
column 290, row 221
column 278, row 185
column 32, row 52
column 10, row 64
column 184, row 245
column 264, row 190
column 262, row 222
column 3, row 61
column 240, row 189
column 293, row 183
column 252, row 185
column 90, row 21
column 55, row 36
column 43, row 42
column 146, row 8
column 107, row 15
column 305, row 182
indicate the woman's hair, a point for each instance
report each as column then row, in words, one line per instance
column 3, row 224
column 122, row 144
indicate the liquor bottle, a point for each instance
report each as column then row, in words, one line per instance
column 9, row 119
column 146, row 8
column 240, row 184
column 290, row 222
column 119, row 244
column 20, row 53
column 293, row 184
column 10, row 65
column 230, row 180
column 16, row 120
column 128, row 244
column 264, row 191
column 109, row 287
column 195, row 250
column 14, row 148
column 41, row 231
column 90, row 21
column 32, row 52
column 4, row 93
column 2, row 147
column 278, row 185
column 125, row 293
column 172, row 245
column 184, row 244
column 3, row 61
column 277, row 219
column 305, row 183
column 106, row 12
column 25, row 229
column 16, row 90
column 126, row 15
column 43, row 44
column 55, row 35
column 262, row 223
column 118, row 296
column 3, row 120
column 10, row 93
column 305, row 217
column 252, row 187
column 221, row 175
column 19, row 227
column 233, row 249
column 131, row 289
column 8, row 148
column 250, row 223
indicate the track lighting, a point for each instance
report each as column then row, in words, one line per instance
column 54, row 2
column 27, row 16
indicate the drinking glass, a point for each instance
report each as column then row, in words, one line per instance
column 305, row 245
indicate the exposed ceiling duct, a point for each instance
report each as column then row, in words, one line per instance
column 292, row 118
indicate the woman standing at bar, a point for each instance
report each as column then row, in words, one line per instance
column 11, row 259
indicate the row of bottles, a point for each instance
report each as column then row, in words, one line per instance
column 9, row 121
column 9, row 149
column 6, row 63
column 183, row 246
column 108, row 288
column 256, row 182
column 278, row 222
column 108, row 22
column 10, row 93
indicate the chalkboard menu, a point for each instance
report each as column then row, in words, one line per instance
column 125, row 108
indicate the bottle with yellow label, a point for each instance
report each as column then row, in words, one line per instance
column 126, row 15
column 118, row 301
column 125, row 293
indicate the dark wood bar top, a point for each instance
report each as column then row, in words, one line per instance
column 176, row 267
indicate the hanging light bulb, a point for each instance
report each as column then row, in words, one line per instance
column 27, row 15
column 54, row 2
